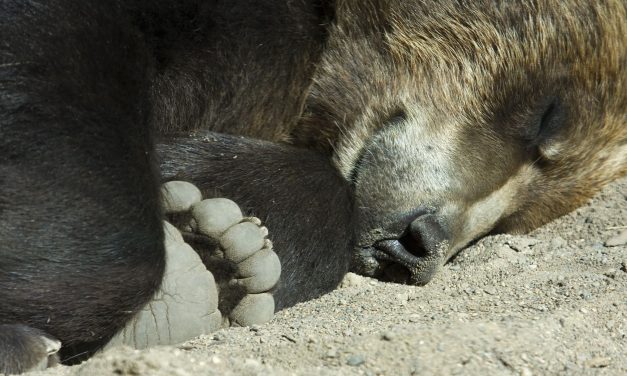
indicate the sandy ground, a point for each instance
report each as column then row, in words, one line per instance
column 551, row 302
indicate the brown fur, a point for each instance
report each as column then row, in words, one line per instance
column 430, row 104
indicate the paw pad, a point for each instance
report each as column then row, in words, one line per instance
column 185, row 306
column 214, row 216
column 179, row 196
column 243, row 243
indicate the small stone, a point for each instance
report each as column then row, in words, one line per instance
column 355, row 360
column 252, row 363
column 402, row 298
column 610, row 273
column 558, row 242
column 289, row 338
column 522, row 243
column 490, row 290
column 352, row 280
column 388, row 336
column 586, row 295
column 598, row 362
column 618, row 240
column 526, row 372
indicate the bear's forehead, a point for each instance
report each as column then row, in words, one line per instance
column 535, row 32
column 476, row 50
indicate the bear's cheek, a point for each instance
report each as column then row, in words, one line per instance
column 482, row 216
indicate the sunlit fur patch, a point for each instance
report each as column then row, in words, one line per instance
column 480, row 217
column 469, row 76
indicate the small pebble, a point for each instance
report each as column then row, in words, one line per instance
column 521, row 243
column 355, row 360
column 598, row 362
column 352, row 280
column 610, row 273
column 618, row 240
column 558, row 242
column 526, row 372
column 586, row 295
column 402, row 298
column 414, row 318
column 289, row 338
column 252, row 363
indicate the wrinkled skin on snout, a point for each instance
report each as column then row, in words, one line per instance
column 454, row 121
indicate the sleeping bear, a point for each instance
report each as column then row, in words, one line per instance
column 378, row 136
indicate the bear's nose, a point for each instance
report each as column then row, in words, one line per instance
column 424, row 234
column 421, row 248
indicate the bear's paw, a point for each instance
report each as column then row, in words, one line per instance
column 220, row 271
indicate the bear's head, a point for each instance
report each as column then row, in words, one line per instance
column 457, row 119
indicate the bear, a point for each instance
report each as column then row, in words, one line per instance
column 413, row 127
column 87, row 91
column 539, row 130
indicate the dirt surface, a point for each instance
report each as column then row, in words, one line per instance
column 551, row 302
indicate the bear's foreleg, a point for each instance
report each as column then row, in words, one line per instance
column 81, row 237
column 296, row 193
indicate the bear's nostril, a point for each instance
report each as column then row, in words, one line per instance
column 412, row 244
